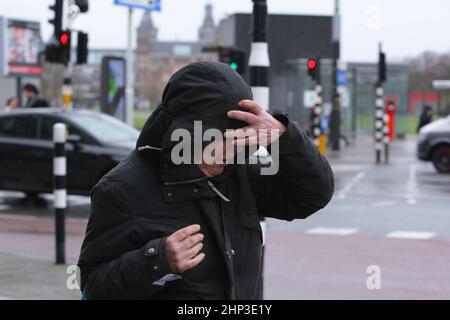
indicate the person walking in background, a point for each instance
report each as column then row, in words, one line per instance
column 11, row 104
column 425, row 118
column 31, row 92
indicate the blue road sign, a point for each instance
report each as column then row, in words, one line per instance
column 341, row 77
column 149, row 5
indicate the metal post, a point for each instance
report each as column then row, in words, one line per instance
column 335, row 117
column 259, row 63
column 129, row 113
column 59, row 186
column 67, row 93
column 317, row 110
column 386, row 139
column 19, row 91
column 379, row 121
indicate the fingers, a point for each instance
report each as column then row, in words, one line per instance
column 191, row 253
column 241, row 143
column 182, row 234
column 183, row 248
column 191, row 241
column 242, row 116
column 251, row 106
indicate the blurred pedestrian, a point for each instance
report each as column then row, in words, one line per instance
column 11, row 104
column 31, row 92
column 425, row 118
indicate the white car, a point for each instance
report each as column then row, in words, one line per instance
column 434, row 144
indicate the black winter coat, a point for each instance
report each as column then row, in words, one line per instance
column 147, row 197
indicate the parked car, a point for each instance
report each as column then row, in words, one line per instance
column 434, row 144
column 96, row 143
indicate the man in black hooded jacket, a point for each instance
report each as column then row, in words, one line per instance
column 161, row 230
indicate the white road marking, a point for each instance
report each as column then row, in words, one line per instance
column 387, row 203
column 332, row 231
column 346, row 167
column 342, row 194
column 418, row 235
column 411, row 186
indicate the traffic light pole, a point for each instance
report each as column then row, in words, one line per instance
column 379, row 121
column 386, row 140
column 381, row 118
column 129, row 113
column 317, row 113
column 259, row 61
column 335, row 117
column 259, row 64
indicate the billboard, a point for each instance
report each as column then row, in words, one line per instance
column 21, row 45
column 113, row 84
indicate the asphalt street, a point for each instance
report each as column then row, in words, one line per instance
column 392, row 217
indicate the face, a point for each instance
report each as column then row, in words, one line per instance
column 14, row 103
column 216, row 156
column 28, row 94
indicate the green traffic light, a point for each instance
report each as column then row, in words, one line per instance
column 234, row 65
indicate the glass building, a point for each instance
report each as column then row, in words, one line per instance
column 358, row 94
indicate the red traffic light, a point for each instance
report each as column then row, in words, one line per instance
column 312, row 64
column 64, row 39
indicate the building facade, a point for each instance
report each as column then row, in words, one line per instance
column 157, row 60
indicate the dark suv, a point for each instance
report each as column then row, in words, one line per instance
column 96, row 143
column 434, row 144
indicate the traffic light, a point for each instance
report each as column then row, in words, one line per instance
column 59, row 50
column 235, row 58
column 314, row 68
column 382, row 67
column 57, row 20
column 82, row 48
column 83, row 5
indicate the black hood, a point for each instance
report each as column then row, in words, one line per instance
column 201, row 91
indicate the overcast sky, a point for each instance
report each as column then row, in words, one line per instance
column 406, row 27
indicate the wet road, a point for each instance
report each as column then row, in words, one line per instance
column 395, row 217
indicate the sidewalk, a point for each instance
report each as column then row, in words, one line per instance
column 26, row 278
column 27, row 250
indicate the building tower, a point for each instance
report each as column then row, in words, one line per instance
column 207, row 32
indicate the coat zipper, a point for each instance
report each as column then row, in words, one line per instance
column 228, row 249
column 220, row 194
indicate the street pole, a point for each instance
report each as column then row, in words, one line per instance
column 59, row 186
column 67, row 93
column 129, row 112
column 379, row 121
column 317, row 110
column 335, row 117
column 19, row 91
column 386, row 139
column 259, row 63
column 381, row 129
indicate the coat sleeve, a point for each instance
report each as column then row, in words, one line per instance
column 113, row 263
column 304, row 182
